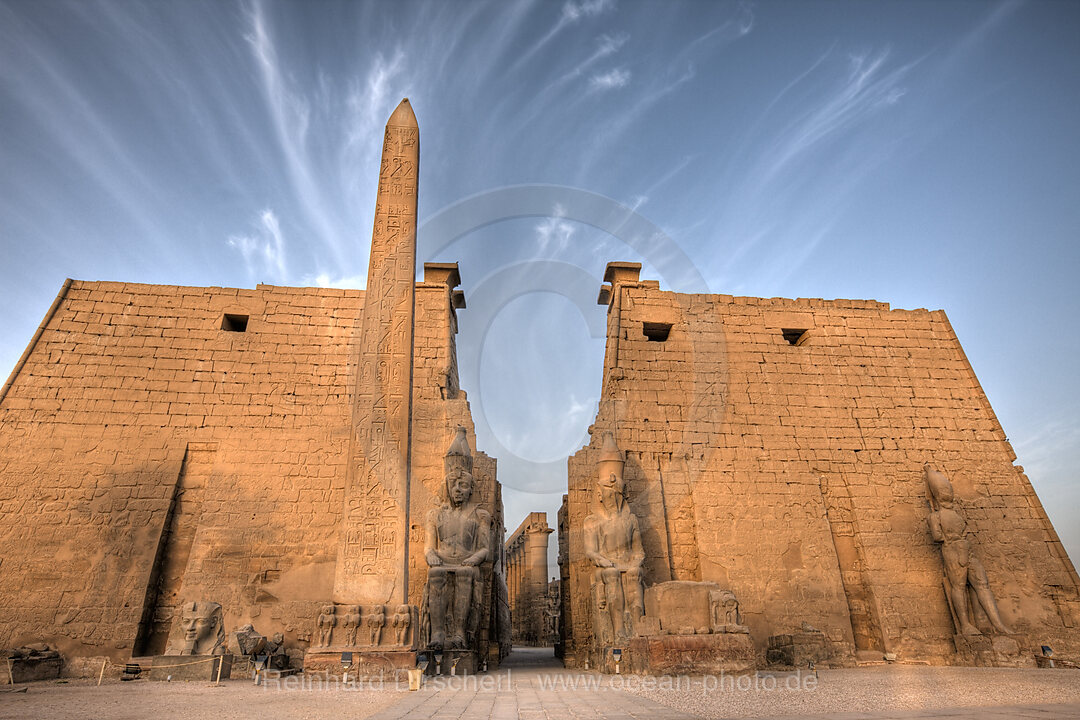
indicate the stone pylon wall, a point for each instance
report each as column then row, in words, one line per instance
column 776, row 447
column 139, row 437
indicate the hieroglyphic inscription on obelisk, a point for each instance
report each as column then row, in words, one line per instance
column 372, row 565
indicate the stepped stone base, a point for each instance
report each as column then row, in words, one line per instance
column 993, row 651
column 365, row 663
column 707, row 654
column 798, row 649
column 31, row 669
column 457, row 662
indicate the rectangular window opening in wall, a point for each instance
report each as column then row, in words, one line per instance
column 656, row 332
column 234, row 323
column 795, row 336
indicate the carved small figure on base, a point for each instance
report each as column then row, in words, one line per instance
column 962, row 566
column 350, row 622
column 402, row 620
column 457, row 537
column 724, row 612
column 613, row 545
column 375, row 621
column 327, row 621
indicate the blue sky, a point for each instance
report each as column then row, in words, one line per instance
column 924, row 154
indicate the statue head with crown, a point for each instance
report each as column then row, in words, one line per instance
column 458, row 465
column 610, row 486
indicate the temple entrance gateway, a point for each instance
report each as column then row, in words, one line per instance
column 768, row 482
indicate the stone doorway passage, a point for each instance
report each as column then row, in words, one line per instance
column 537, row 659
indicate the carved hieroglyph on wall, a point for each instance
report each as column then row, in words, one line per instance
column 372, row 564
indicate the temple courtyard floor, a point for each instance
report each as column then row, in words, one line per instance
column 532, row 685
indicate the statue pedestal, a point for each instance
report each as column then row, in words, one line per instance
column 454, row 662
column 367, row 663
column 190, row 667
column 993, row 651
column 29, row 669
column 798, row 649
column 707, row 654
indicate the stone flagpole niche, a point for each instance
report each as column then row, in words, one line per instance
column 373, row 561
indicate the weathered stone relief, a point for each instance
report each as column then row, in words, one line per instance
column 355, row 627
column 724, row 612
column 350, row 623
column 375, row 621
column 402, row 623
column 325, row 624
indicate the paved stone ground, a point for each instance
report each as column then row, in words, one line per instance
column 893, row 691
column 534, row 686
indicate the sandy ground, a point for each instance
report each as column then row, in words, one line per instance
column 232, row 700
column 543, row 683
column 869, row 690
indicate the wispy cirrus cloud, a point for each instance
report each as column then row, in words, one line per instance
column 808, row 167
column 572, row 13
column 640, row 199
column 741, row 23
column 290, row 112
column 325, row 280
column 366, row 99
column 553, row 233
column 40, row 80
column 616, row 78
column 606, row 46
column 870, row 86
column 655, row 85
column 614, row 128
column 558, row 90
column 264, row 250
column 819, row 139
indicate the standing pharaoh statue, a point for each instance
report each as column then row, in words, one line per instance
column 962, row 566
column 458, row 536
column 613, row 545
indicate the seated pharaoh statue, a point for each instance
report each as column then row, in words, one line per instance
column 613, row 545
column 458, row 538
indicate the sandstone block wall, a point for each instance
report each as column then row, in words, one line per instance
column 148, row 456
column 776, row 447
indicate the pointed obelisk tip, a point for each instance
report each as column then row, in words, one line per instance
column 403, row 115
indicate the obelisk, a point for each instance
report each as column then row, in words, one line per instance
column 373, row 555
